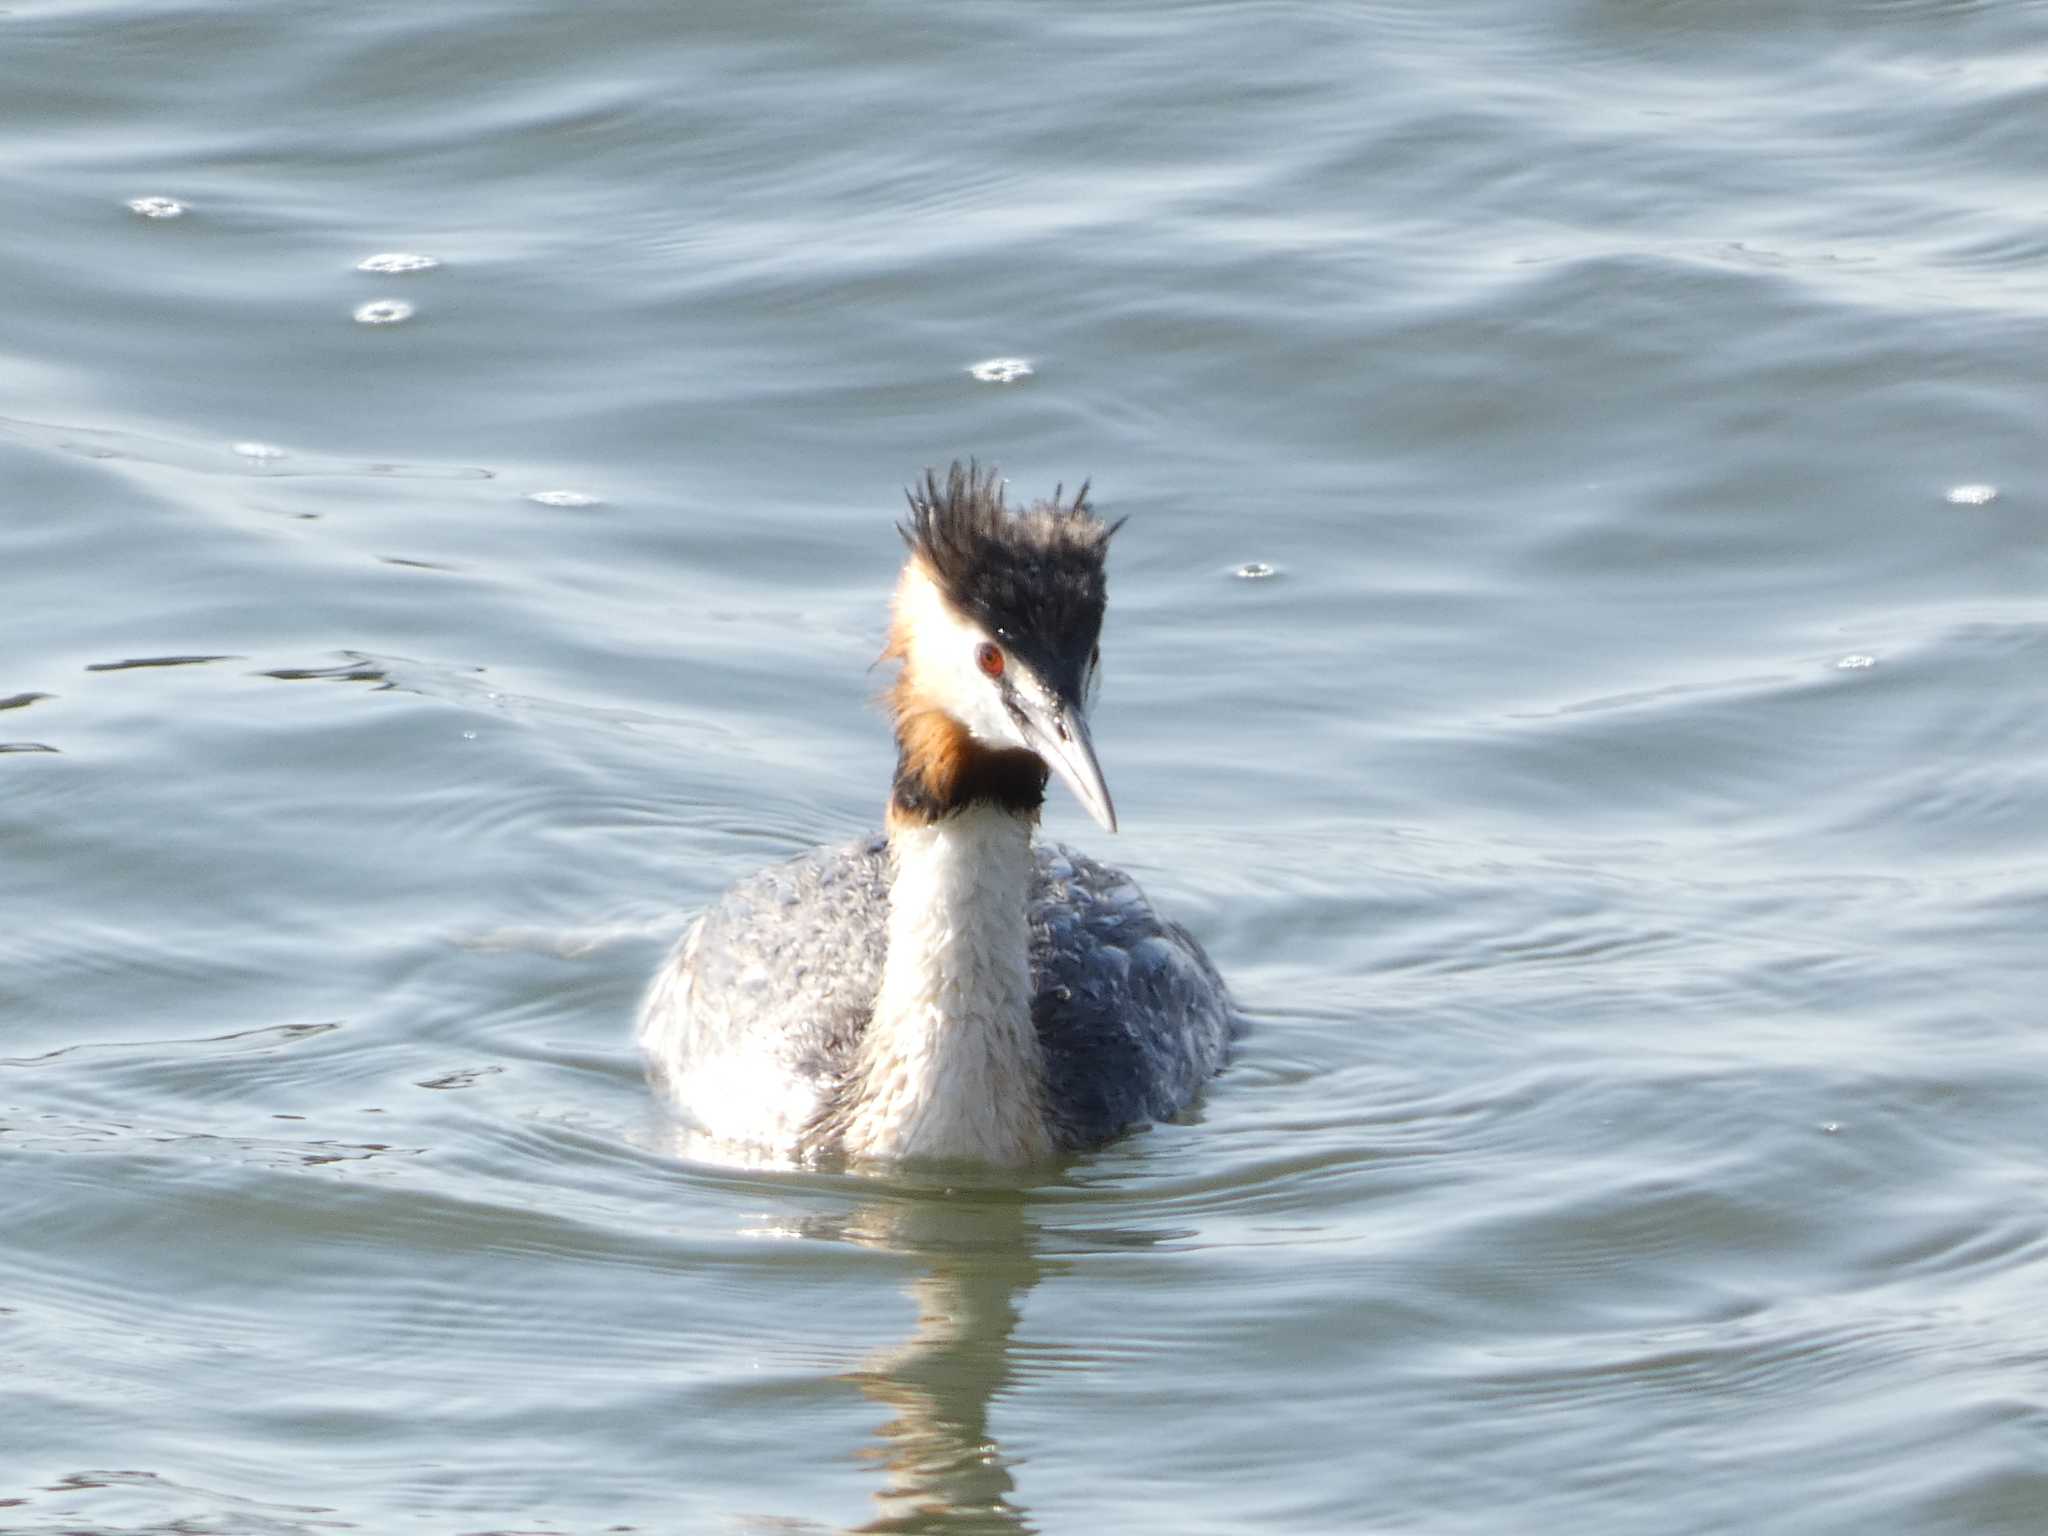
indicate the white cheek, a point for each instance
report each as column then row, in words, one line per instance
column 978, row 705
column 948, row 671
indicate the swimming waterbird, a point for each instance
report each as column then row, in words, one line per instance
column 953, row 990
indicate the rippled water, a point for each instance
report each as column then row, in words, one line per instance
column 1619, row 800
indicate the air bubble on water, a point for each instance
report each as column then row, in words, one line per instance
column 1254, row 570
column 156, row 207
column 383, row 312
column 261, row 452
column 1001, row 370
column 1971, row 495
column 398, row 261
column 564, row 498
column 1856, row 663
column 469, row 735
column 1831, row 1126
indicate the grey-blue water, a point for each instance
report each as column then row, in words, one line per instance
column 1624, row 807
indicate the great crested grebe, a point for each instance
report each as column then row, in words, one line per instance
column 951, row 991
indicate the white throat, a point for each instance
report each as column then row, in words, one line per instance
column 950, row 1066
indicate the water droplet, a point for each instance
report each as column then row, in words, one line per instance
column 262, row 452
column 1254, row 570
column 1001, row 370
column 156, row 207
column 564, row 498
column 1856, row 663
column 1971, row 495
column 383, row 312
column 398, row 261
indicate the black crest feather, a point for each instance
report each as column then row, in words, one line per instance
column 1033, row 578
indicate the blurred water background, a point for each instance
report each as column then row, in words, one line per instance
column 1576, row 658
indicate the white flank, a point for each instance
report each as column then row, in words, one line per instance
column 741, row 1091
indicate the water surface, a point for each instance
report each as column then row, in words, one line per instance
column 1620, row 806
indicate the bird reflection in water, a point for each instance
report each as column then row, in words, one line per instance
column 978, row 1240
column 943, row 1469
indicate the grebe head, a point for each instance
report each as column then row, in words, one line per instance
column 997, row 622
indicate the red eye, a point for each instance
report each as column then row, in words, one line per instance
column 989, row 658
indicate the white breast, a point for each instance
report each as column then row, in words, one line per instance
column 951, row 1065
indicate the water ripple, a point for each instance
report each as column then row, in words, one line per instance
column 137, row 663
column 265, row 1038
column 120, row 446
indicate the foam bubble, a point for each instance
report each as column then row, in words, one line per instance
column 398, row 261
column 263, row 452
column 1254, row 570
column 1856, row 663
column 564, row 498
column 157, row 207
column 1001, row 370
column 383, row 312
column 1971, row 495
